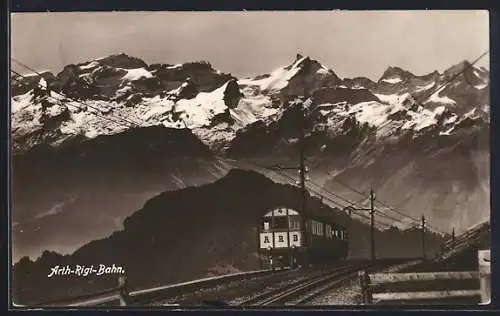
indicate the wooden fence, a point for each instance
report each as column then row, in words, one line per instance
column 462, row 287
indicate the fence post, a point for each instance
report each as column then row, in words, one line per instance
column 484, row 260
column 362, row 286
column 123, row 290
column 369, row 297
column 364, row 283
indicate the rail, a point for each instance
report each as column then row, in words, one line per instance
column 461, row 244
column 305, row 289
column 457, row 244
column 281, row 294
column 429, row 287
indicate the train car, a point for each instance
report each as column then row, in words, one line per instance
column 287, row 239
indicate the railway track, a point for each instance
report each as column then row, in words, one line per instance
column 268, row 295
column 233, row 292
column 303, row 291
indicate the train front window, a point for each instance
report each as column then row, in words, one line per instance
column 294, row 222
column 280, row 222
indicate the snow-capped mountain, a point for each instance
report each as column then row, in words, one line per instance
column 217, row 106
column 422, row 141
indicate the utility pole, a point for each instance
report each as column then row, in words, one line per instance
column 302, row 182
column 372, row 222
column 423, row 237
column 302, row 171
column 349, row 229
column 290, row 254
column 453, row 237
column 351, row 209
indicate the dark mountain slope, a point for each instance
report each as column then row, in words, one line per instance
column 65, row 196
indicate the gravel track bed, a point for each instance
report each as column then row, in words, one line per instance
column 227, row 291
column 237, row 291
column 282, row 282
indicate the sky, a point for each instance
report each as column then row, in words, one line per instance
column 352, row 43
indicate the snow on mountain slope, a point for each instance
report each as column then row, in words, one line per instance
column 425, row 87
column 217, row 106
column 191, row 113
column 254, row 108
column 277, row 80
column 392, row 98
column 93, row 116
column 302, row 76
column 436, row 98
column 136, row 74
column 177, row 97
column 392, row 80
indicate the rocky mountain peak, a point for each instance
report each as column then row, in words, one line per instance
column 27, row 82
column 122, row 61
column 393, row 73
column 232, row 94
column 430, row 76
column 468, row 71
column 359, row 83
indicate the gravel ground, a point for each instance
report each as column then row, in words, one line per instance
column 349, row 291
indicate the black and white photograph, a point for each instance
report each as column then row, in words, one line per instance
column 228, row 159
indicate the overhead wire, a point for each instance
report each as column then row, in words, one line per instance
column 72, row 105
column 64, row 95
column 329, row 196
column 452, row 78
column 428, row 94
column 417, row 101
column 377, row 212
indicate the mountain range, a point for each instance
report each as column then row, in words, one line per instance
column 94, row 142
